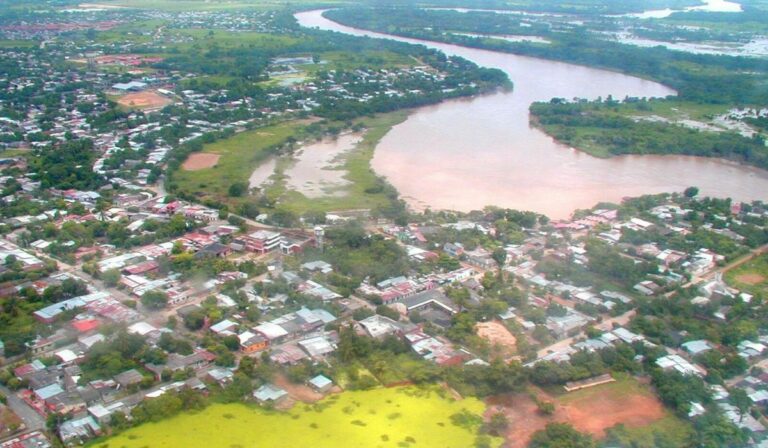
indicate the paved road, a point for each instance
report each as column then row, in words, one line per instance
column 29, row 416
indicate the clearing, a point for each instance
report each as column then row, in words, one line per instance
column 200, row 160
column 594, row 410
column 9, row 422
column 148, row 100
column 497, row 335
column 750, row 277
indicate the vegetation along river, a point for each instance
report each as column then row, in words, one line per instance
column 466, row 154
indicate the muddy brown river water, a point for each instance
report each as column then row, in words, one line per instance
column 466, row 154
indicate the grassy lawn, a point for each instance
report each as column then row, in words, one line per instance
column 396, row 417
column 223, row 38
column 14, row 152
column 751, row 277
column 677, row 430
column 8, row 43
column 340, row 60
column 240, row 154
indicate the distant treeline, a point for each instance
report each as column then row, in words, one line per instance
column 701, row 78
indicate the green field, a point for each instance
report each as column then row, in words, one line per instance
column 396, row 417
column 8, row 43
column 243, row 152
column 750, row 277
column 240, row 154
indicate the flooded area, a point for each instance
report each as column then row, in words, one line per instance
column 754, row 48
column 508, row 37
column 709, row 5
column 262, row 173
column 466, row 154
column 317, row 170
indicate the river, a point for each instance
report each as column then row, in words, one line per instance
column 466, row 154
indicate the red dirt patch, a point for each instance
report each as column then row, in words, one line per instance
column 593, row 413
column 524, row 418
column 497, row 334
column 144, row 100
column 301, row 392
column 751, row 278
column 9, row 422
column 600, row 412
column 200, row 161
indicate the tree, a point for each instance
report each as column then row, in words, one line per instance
column 194, row 320
column 237, row 189
column 556, row 310
column 500, row 256
column 713, row 430
column 497, row 424
column 741, row 400
column 111, row 277
column 691, row 192
column 560, row 435
column 154, row 300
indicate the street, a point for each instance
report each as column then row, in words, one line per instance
column 29, row 416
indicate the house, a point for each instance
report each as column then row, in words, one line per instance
column 453, row 249
column 34, row 439
column 133, row 86
column 269, row 393
column 75, row 432
column 214, row 250
column 319, row 266
column 696, row 347
column 224, row 328
column 563, row 325
column 220, row 376
column 129, row 378
column 261, row 241
column 317, row 347
column 481, row 258
column 252, row 342
column 675, row 362
column 378, row 326
column 321, row 383
column 432, row 298
column 647, row 288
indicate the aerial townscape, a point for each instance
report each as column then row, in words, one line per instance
column 384, row 223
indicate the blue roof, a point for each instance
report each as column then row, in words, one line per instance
column 54, row 310
column 49, row 391
column 269, row 392
column 320, row 381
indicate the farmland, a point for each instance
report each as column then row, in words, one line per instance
column 395, row 417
